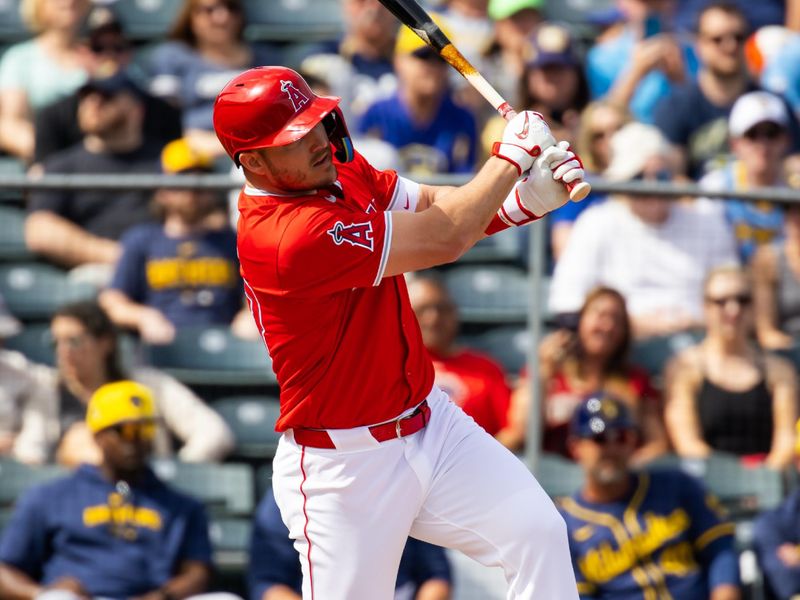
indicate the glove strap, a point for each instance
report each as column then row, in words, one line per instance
column 511, row 214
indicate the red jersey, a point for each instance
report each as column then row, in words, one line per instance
column 344, row 342
column 478, row 385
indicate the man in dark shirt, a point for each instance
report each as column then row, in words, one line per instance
column 77, row 227
column 113, row 530
column 107, row 50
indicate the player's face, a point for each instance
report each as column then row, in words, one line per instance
column 79, row 355
column 727, row 304
column 602, row 327
column 605, row 457
column 436, row 314
column 304, row 165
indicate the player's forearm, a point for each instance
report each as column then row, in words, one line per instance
column 16, row 585
column 64, row 242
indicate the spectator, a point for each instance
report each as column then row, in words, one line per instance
column 108, row 531
column 694, row 116
column 81, row 227
column 431, row 132
column 760, row 138
column 206, row 49
column 776, row 539
column 599, row 121
column 776, row 62
column 359, row 68
column 474, row 382
column 87, row 358
column 472, row 29
column 35, row 72
column 641, row 535
column 776, row 286
column 655, row 251
column 727, row 394
column 274, row 572
column 636, row 65
column 19, row 389
column 552, row 83
column 764, row 12
column 182, row 272
column 595, row 356
column 514, row 23
column 106, row 50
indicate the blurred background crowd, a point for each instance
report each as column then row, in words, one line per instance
column 686, row 310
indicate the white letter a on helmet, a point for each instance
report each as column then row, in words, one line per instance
column 296, row 96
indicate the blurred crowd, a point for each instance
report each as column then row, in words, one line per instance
column 647, row 91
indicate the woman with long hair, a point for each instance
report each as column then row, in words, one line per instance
column 593, row 357
column 205, row 50
column 726, row 393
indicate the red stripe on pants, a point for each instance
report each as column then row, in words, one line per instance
column 305, row 527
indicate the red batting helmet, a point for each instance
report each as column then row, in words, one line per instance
column 273, row 106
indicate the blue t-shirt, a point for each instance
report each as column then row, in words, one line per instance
column 274, row 561
column 758, row 12
column 773, row 529
column 178, row 71
column 192, row 280
column 447, row 144
column 81, row 527
column 607, row 60
column 666, row 533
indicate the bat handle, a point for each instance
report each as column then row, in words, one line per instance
column 578, row 190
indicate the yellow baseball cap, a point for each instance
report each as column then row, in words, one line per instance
column 409, row 42
column 178, row 156
column 119, row 402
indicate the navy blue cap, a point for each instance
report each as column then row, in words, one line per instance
column 551, row 44
column 600, row 413
column 112, row 84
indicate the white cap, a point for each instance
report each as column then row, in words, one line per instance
column 754, row 108
column 631, row 149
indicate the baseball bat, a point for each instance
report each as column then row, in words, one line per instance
column 411, row 14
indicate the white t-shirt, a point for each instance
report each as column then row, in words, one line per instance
column 659, row 269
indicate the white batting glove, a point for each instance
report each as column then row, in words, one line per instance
column 543, row 190
column 524, row 138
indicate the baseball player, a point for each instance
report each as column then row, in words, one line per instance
column 371, row 450
column 641, row 536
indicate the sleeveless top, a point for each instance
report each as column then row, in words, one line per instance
column 738, row 422
column 788, row 295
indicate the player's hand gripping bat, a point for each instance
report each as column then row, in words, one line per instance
column 420, row 22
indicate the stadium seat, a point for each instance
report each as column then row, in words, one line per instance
column 230, row 539
column 504, row 246
column 489, row 294
column 10, row 166
column 252, row 420
column 558, row 476
column 35, row 342
column 12, row 235
column 225, row 489
column 263, row 479
column 507, row 344
column 12, row 29
column 293, row 20
column 652, row 354
column 578, row 12
column 213, row 356
column 35, row 291
column 146, row 19
column 16, row 477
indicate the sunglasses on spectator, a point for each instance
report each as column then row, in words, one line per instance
column 611, row 436
column 764, row 131
column 135, row 431
column 210, row 9
column 740, row 299
column 718, row 40
column 73, row 342
column 660, row 175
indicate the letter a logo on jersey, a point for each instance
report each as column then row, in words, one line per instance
column 299, row 100
column 355, row 234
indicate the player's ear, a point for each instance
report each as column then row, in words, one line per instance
column 252, row 162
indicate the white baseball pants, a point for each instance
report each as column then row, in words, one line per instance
column 350, row 510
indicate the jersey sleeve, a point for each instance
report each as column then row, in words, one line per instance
column 391, row 191
column 324, row 251
column 196, row 544
column 129, row 273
